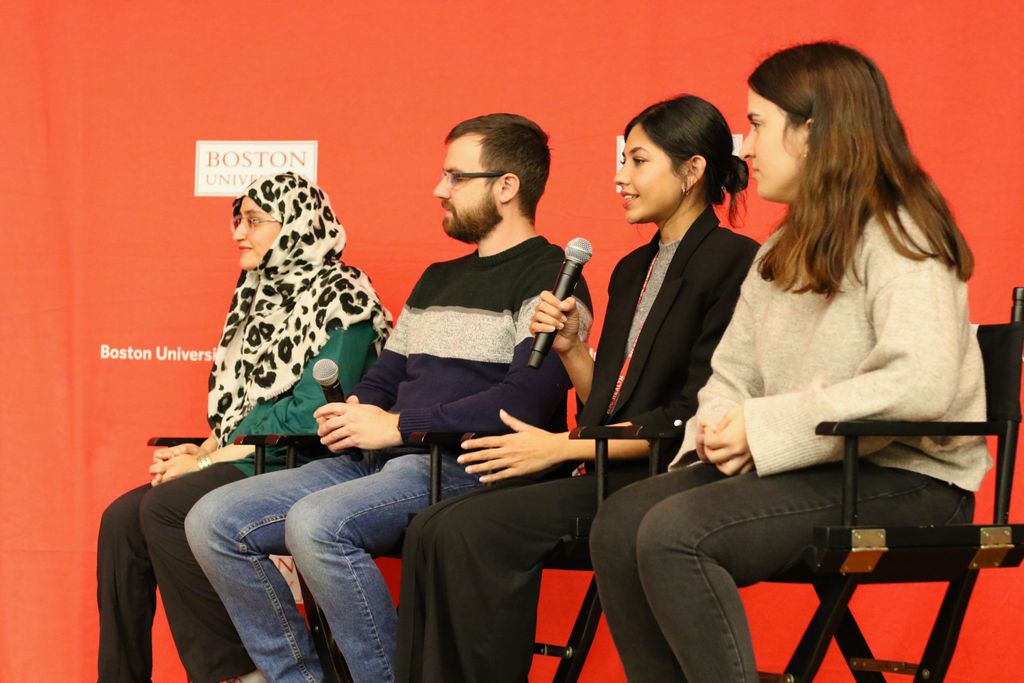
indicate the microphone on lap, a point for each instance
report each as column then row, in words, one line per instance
column 325, row 372
column 577, row 252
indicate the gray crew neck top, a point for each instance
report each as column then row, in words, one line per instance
column 661, row 262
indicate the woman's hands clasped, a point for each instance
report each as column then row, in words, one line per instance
column 171, row 463
column 725, row 445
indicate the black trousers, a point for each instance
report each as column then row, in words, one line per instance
column 141, row 545
column 471, row 571
column 671, row 552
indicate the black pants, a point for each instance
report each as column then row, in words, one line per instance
column 670, row 554
column 471, row 570
column 142, row 544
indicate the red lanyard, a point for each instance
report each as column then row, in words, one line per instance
column 632, row 348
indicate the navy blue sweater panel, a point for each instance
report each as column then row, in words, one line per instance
column 460, row 352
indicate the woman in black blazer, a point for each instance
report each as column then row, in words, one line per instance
column 472, row 565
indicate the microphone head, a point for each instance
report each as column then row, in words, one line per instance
column 325, row 372
column 579, row 250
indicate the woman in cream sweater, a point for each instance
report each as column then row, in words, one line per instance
column 855, row 308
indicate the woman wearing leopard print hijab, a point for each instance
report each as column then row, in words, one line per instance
column 295, row 303
column 284, row 307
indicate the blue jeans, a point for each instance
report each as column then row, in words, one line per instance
column 333, row 515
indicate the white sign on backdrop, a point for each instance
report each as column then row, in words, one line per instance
column 225, row 167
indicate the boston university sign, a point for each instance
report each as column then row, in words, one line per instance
column 225, row 167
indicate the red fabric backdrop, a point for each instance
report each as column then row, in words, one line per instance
column 106, row 243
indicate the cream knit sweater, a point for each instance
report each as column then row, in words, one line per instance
column 896, row 343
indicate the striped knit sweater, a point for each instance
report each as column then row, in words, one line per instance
column 460, row 349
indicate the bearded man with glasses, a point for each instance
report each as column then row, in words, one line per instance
column 457, row 357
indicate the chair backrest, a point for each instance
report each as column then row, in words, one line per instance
column 1001, row 349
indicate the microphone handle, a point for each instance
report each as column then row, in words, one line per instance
column 567, row 279
column 333, row 393
column 564, row 286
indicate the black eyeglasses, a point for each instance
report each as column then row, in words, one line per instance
column 454, row 178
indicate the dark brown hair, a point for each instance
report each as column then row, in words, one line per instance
column 687, row 126
column 512, row 144
column 858, row 167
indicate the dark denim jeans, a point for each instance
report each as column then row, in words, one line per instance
column 671, row 553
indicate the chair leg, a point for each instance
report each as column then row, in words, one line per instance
column 938, row 653
column 581, row 638
column 853, row 644
column 331, row 661
column 835, row 599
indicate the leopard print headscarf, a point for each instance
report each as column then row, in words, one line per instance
column 282, row 311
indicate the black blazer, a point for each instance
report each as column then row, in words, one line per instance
column 672, row 360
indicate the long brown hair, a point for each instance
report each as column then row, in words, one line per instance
column 858, row 166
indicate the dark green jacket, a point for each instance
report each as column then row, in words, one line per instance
column 292, row 412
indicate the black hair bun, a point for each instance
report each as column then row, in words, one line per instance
column 736, row 175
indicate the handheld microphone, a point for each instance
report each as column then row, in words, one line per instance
column 577, row 252
column 325, row 372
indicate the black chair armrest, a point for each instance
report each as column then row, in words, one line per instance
column 437, row 442
column 300, row 440
column 601, row 434
column 852, row 431
column 886, row 428
column 291, row 442
column 449, row 440
column 168, row 441
column 626, row 432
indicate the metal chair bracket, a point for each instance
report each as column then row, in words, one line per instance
column 553, row 650
column 866, row 547
column 882, row 666
column 765, row 677
column 995, row 542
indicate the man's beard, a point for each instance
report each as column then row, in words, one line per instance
column 474, row 223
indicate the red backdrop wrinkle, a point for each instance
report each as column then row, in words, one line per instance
column 106, row 244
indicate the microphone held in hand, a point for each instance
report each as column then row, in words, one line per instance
column 577, row 252
column 325, row 372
